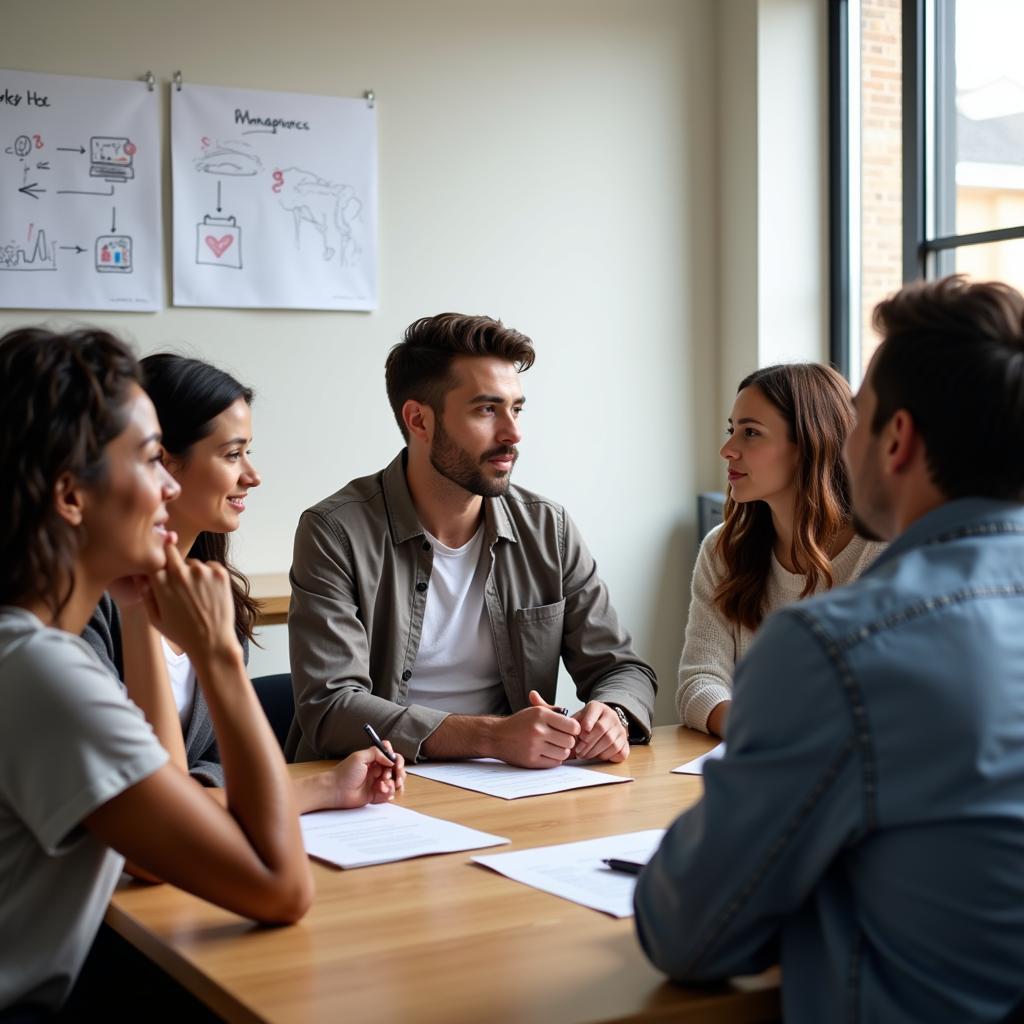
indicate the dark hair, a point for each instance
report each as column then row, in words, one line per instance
column 63, row 399
column 419, row 366
column 815, row 402
column 953, row 358
column 189, row 394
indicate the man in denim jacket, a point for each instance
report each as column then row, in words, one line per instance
column 866, row 826
column 434, row 600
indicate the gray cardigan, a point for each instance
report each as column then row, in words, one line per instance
column 103, row 635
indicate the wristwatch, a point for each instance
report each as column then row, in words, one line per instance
column 623, row 717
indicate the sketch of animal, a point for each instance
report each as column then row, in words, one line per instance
column 330, row 207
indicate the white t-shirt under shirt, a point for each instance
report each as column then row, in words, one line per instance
column 183, row 682
column 456, row 666
column 70, row 740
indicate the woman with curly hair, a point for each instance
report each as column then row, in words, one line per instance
column 91, row 775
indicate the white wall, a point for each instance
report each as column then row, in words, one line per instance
column 552, row 163
column 773, row 210
column 793, row 181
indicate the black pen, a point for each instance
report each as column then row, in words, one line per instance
column 627, row 867
column 376, row 741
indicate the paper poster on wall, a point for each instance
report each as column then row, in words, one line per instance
column 79, row 193
column 275, row 199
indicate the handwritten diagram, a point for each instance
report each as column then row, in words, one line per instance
column 79, row 193
column 33, row 255
column 292, row 175
column 219, row 242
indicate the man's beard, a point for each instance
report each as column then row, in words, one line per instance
column 867, row 500
column 456, row 464
column 863, row 530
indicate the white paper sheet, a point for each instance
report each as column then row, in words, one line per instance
column 382, row 833
column 495, row 778
column 696, row 766
column 80, row 180
column 275, row 199
column 576, row 872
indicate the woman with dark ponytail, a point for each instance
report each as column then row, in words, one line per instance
column 206, row 418
column 205, row 415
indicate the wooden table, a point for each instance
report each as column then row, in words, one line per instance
column 273, row 593
column 438, row 939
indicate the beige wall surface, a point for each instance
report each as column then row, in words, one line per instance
column 551, row 163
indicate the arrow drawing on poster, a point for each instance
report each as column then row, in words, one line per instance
column 32, row 190
column 331, row 208
column 77, row 192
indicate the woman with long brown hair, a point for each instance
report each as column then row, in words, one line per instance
column 787, row 532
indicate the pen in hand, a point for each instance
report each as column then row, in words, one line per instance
column 627, row 867
column 376, row 741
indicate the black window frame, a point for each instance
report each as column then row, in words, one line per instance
column 929, row 237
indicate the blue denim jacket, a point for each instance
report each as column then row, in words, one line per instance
column 866, row 827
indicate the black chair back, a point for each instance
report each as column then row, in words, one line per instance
column 278, row 702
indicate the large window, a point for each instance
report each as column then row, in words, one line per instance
column 927, row 151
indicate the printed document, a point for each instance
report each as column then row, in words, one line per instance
column 495, row 778
column 576, row 871
column 382, row 833
column 696, row 766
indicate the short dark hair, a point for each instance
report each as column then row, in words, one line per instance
column 952, row 356
column 419, row 366
column 63, row 399
column 189, row 394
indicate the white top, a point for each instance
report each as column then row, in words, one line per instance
column 456, row 666
column 70, row 741
column 183, row 682
column 714, row 645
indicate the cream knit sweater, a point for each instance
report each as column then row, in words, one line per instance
column 714, row 645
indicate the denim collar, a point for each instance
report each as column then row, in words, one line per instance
column 959, row 518
column 405, row 524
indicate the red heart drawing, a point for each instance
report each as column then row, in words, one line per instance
column 219, row 246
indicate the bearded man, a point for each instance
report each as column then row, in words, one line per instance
column 865, row 828
column 433, row 600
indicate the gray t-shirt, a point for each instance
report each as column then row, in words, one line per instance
column 70, row 740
